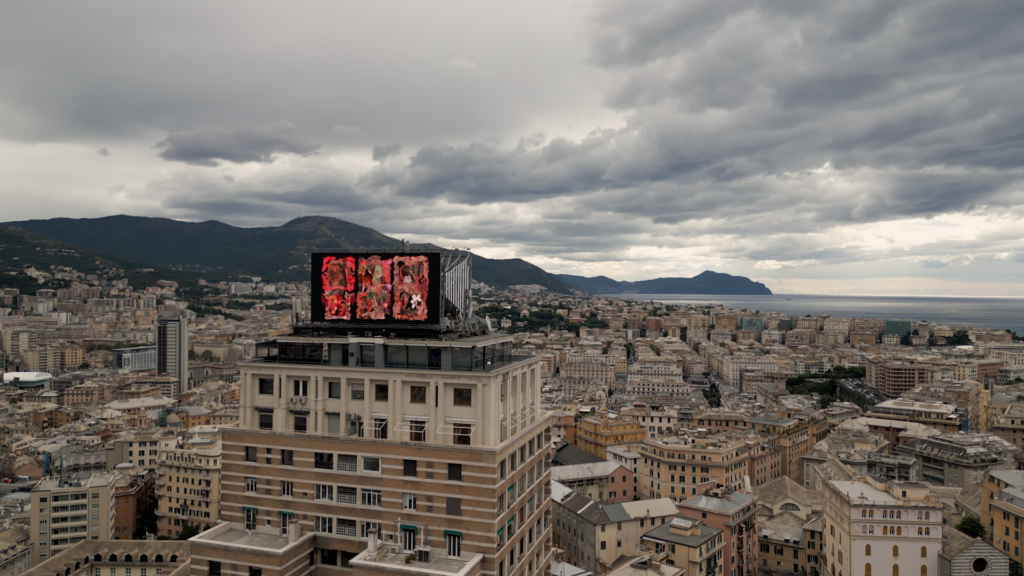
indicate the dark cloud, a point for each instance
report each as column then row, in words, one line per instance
column 250, row 142
column 103, row 151
column 382, row 152
column 746, row 131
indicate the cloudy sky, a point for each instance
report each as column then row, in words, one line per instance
column 820, row 146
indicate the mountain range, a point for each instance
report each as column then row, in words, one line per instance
column 219, row 251
column 706, row 282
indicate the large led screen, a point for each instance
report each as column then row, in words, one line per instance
column 377, row 288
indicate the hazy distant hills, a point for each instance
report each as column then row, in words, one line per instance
column 216, row 250
column 706, row 282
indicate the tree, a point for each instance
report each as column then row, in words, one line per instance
column 971, row 525
column 826, row 399
column 188, row 531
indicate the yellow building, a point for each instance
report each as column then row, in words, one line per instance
column 598, row 433
column 688, row 543
column 188, row 483
column 675, row 467
column 1002, row 512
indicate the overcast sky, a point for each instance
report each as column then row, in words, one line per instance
column 819, row 146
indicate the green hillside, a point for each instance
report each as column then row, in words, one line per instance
column 21, row 250
column 214, row 249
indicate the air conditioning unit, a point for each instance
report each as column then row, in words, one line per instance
column 353, row 416
column 302, row 400
column 293, row 399
column 423, row 554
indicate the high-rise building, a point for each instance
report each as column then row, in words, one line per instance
column 385, row 448
column 172, row 346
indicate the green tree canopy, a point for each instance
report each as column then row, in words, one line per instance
column 971, row 525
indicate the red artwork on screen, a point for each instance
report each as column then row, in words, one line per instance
column 411, row 287
column 338, row 278
column 374, row 296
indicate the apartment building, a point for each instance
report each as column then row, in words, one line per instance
column 679, row 467
column 603, row 482
column 959, row 460
column 349, row 444
column 66, row 511
column 968, row 395
column 595, row 535
column 794, row 440
column 892, row 379
column 873, row 528
column 945, row 418
column 735, row 514
column 597, row 433
column 188, row 485
column 1010, row 425
column 690, row 544
column 1002, row 512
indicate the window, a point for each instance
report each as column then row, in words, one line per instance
column 371, row 497
column 409, row 501
column 453, row 506
column 346, row 527
column 287, row 458
column 867, row 569
column 455, row 472
column 463, row 396
column 381, row 392
column 454, row 542
column 924, row 551
column 266, row 420
column 266, row 386
column 323, row 492
column 896, row 551
column 328, row 557
column 357, row 392
column 462, row 433
column 347, row 495
column 371, row 464
column 867, row 550
column 323, row 524
column 418, row 395
column 250, row 453
column 369, row 527
column 300, row 422
column 380, row 428
column 250, row 484
column 286, row 488
column 300, row 387
column 348, row 463
column 334, row 389
column 214, row 568
column 255, row 571
column 250, row 518
column 604, row 545
column 409, row 468
column 417, row 431
column 323, row 460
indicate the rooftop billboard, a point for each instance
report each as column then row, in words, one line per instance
column 377, row 288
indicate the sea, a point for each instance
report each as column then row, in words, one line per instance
column 995, row 313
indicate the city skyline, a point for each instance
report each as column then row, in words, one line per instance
column 825, row 148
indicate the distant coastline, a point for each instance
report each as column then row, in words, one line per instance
column 979, row 312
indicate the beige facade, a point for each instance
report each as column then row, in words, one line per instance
column 188, row 484
column 677, row 467
column 598, row 433
column 68, row 511
column 454, row 459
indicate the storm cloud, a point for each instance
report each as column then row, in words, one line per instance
column 816, row 139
